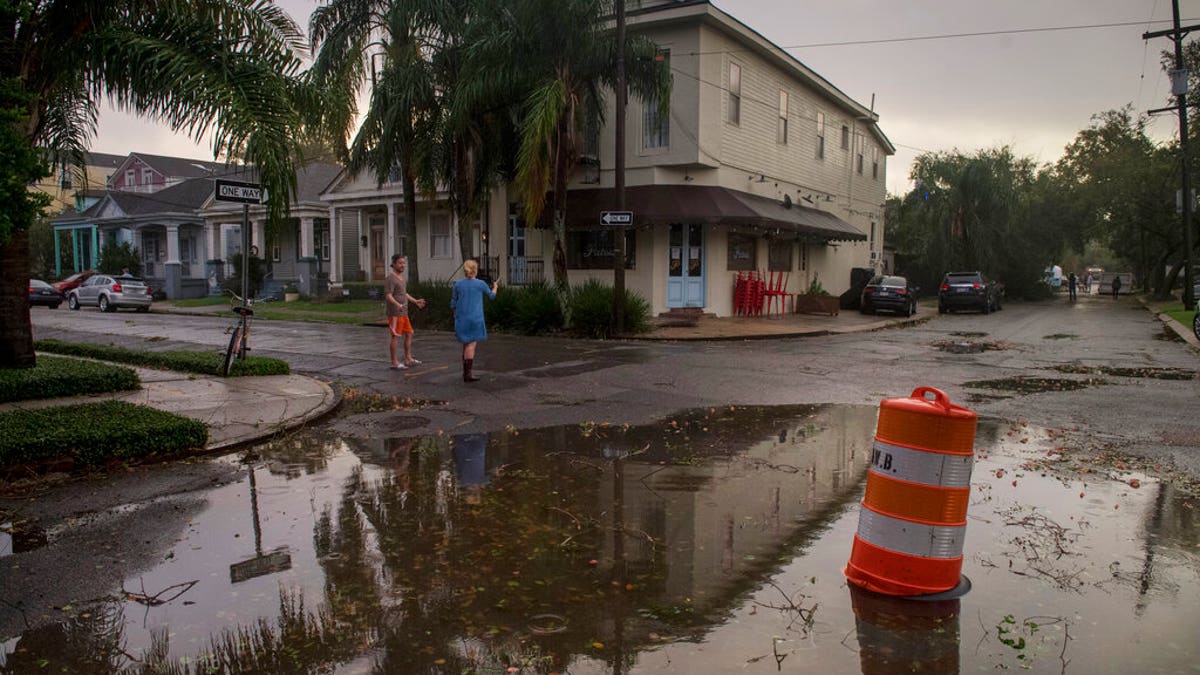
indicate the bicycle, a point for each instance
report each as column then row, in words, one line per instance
column 1196, row 324
column 239, row 339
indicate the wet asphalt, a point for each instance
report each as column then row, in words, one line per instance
column 543, row 381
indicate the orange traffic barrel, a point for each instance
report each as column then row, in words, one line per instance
column 914, row 514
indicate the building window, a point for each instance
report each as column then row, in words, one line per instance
column 871, row 241
column 64, row 180
column 845, row 137
column 130, row 177
column 858, row 154
column 875, row 162
column 803, row 257
column 779, row 255
column 656, row 126
column 820, row 135
column 276, row 252
column 439, row 235
column 147, row 176
column 742, row 249
column 593, row 249
column 781, row 131
column 321, row 238
column 735, row 93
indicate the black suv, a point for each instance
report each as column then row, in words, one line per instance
column 968, row 290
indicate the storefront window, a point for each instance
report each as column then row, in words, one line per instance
column 779, row 255
column 593, row 249
column 741, row 252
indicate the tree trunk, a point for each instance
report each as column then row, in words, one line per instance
column 1168, row 282
column 16, row 329
column 409, row 185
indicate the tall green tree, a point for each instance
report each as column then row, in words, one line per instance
column 554, row 60
column 382, row 48
column 1122, row 187
column 225, row 67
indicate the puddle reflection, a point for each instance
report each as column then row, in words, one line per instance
column 711, row 542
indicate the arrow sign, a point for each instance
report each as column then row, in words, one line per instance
column 616, row 217
column 242, row 193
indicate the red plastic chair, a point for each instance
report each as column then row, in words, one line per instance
column 776, row 288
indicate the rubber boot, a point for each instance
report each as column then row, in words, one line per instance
column 467, row 376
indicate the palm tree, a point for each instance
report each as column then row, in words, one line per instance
column 555, row 59
column 225, row 67
column 384, row 44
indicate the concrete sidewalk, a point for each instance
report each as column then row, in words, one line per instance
column 236, row 409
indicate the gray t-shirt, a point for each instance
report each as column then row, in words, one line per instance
column 395, row 286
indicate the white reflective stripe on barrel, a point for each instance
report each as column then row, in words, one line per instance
column 919, row 466
column 905, row 536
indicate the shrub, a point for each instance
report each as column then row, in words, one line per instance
column 54, row 377
column 815, row 288
column 120, row 258
column 591, row 310
column 94, row 433
column 501, row 313
column 363, row 290
column 437, row 314
column 258, row 271
column 537, row 310
column 206, row 363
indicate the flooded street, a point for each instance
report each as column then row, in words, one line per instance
column 712, row 541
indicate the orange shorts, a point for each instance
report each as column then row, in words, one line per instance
column 399, row 325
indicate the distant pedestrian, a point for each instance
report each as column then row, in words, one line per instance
column 1073, row 283
column 1116, row 286
column 1088, row 289
column 396, row 298
column 466, row 300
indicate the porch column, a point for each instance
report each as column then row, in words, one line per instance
column 75, row 251
column 258, row 228
column 364, row 252
column 335, row 247
column 306, row 265
column 172, row 268
column 306, row 237
column 214, row 271
column 390, row 248
column 95, row 247
column 57, row 255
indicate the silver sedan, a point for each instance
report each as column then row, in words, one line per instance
column 108, row 293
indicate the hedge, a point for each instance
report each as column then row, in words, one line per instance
column 55, row 376
column 591, row 310
column 207, row 363
column 94, row 433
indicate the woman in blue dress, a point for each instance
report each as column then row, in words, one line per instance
column 466, row 300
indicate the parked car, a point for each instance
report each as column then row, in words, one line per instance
column 891, row 293
column 109, row 293
column 968, row 290
column 73, row 281
column 42, row 293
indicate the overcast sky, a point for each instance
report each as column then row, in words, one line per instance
column 1031, row 90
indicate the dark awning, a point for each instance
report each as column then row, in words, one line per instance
column 708, row 205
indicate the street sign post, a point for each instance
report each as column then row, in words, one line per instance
column 242, row 193
column 616, row 217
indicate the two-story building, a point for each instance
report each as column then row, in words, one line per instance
column 762, row 165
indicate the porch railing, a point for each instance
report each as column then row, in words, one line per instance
column 526, row 270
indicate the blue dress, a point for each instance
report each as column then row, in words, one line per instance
column 466, row 300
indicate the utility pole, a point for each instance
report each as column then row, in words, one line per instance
column 1179, row 77
column 618, row 308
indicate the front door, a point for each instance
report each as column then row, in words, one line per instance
column 378, row 264
column 517, row 272
column 685, row 266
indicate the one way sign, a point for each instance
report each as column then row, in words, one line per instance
column 616, row 217
column 242, row 193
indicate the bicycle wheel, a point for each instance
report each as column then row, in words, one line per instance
column 235, row 344
column 1196, row 324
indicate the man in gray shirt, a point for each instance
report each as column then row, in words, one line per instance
column 396, row 297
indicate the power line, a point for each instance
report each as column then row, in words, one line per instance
column 950, row 36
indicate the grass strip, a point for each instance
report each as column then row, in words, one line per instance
column 95, row 433
column 206, row 363
column 54, row 376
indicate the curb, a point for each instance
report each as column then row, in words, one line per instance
column 1178, row 328
column 819, row 332
column 329, row 402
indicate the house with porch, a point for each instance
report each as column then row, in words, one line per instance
column 761, row 166
column 187, row 240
